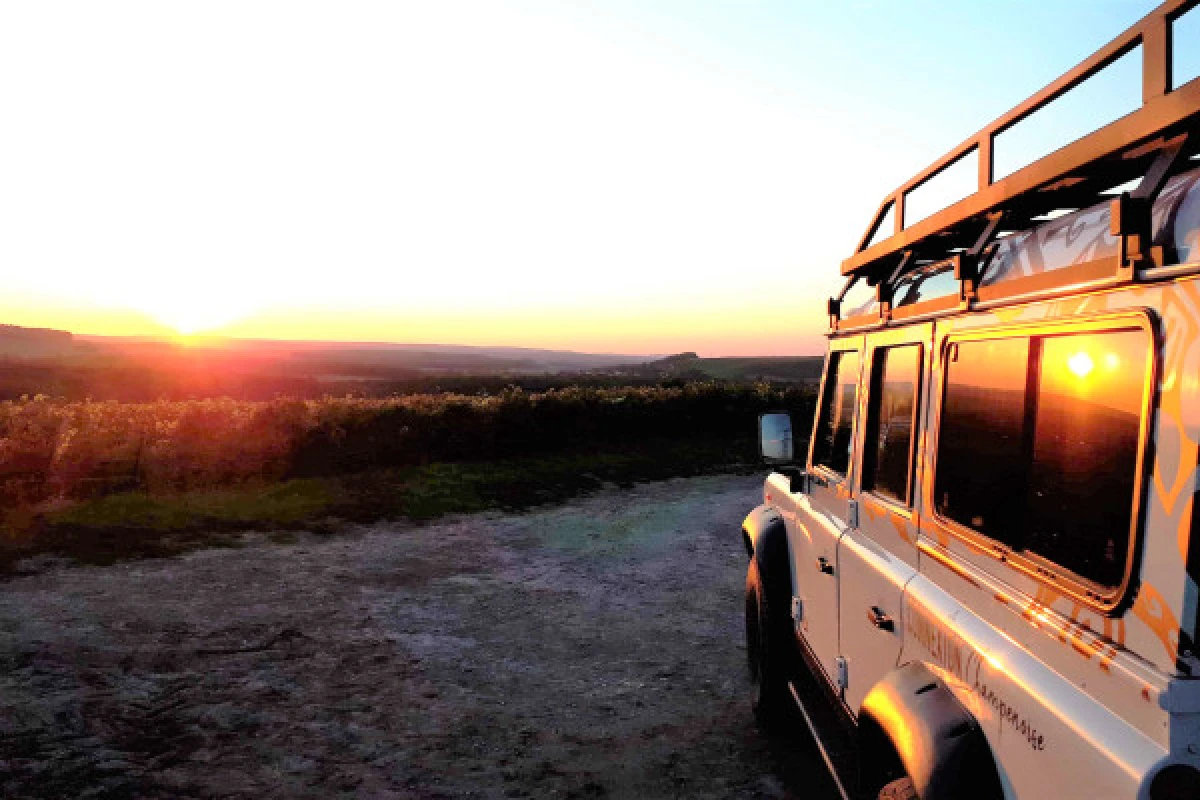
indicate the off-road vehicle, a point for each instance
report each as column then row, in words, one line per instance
column 983, row 579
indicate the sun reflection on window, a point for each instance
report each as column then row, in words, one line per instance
column 1078, row 398
column 1081, row 364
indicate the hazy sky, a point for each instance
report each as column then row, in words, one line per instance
column 626, row 175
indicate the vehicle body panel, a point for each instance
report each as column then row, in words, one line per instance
column 1049, row 737
column 871, row 581
column 877, row 559
column 817, row 523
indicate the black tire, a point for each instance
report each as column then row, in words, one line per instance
column 899, row 789
column 753, row 631
column 769, row 649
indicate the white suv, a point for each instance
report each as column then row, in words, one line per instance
column 984, row 578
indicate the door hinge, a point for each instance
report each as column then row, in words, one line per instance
column 852, row 513
column 843, row 679
column 797, row 610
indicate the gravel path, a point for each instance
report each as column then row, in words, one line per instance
column 587, row 650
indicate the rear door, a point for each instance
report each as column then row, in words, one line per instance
column 822, row 517
column 878, row 557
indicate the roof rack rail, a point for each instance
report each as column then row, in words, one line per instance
column 1151, row 143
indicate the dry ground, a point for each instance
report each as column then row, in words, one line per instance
column 587, row 650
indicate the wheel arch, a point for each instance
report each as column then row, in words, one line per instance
column 760, row 527
column 911, row 720
column 764, row 536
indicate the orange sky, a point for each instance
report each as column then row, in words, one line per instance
column 618, row 176
column 729, row 330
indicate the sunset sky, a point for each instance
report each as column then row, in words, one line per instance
column 622, row 176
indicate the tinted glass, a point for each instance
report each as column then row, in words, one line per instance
column 980, row 463
column 835, row 428
column 1085, row 446
column 890, row 420
column 1039, row 443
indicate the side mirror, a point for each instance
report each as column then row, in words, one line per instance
column 775, row 438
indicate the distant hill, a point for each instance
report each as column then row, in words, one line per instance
column 18, row 342
column 776, row 369
column 356, row 357
column 59, row 364
column 137, row 368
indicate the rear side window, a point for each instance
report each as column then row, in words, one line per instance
column 1039, row 443
column 980, row 459
column 895, row 381
column 835, row 425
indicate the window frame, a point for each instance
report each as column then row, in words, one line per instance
column 877, row 353
column 1105, row 599
column 854, row 345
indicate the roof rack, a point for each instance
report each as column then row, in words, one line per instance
column 1151, row 143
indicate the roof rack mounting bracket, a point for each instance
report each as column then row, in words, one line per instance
column 885, row 290
column 967, row 276
column 1130, row 216
column 969, row 266
column 834, row 306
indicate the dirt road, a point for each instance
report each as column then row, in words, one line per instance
column 587, row 650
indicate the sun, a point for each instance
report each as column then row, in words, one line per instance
column 199, row 310
column 193, row 318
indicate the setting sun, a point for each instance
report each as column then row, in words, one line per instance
column 189, row 321
column 193, row 309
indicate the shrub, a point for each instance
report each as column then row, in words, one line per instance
column 55, row 450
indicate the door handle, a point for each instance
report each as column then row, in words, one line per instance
column 880, row 619
column 823, row 565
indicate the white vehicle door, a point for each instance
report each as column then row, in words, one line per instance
column 821, row 516
column 878, row 557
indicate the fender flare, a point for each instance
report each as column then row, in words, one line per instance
column 913, row 717
column 765, row 537
column 760, row 527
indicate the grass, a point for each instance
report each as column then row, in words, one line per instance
column 282, row 504
column 138, row 524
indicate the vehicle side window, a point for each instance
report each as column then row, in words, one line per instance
column 895, row 380
column 980, row 461
column 1085, row 449
column 835, row 428
column 1039, row 443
